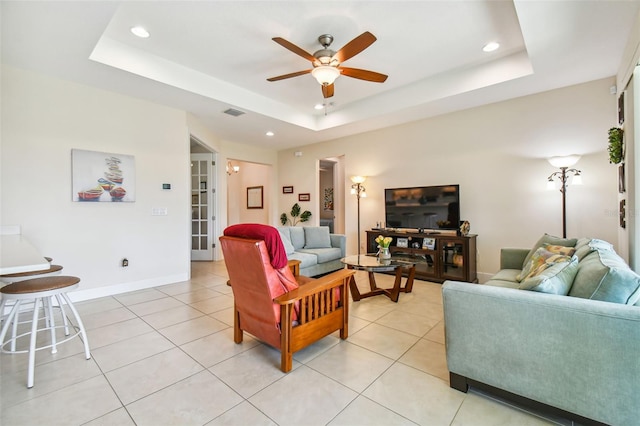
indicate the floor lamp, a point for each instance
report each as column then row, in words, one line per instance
column 358, row 190
column 564, row 164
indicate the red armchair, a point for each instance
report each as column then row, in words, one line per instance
column 284, row 311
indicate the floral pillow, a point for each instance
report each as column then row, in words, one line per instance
column 545, row 257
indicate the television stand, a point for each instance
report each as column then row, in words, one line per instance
column 438, row 256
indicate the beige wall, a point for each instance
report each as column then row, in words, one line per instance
column 497, row 153
column 43, row 119
column 250, row 175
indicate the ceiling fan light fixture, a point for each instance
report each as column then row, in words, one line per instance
column 325, row 75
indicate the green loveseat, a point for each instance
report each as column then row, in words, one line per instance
column 318, row 251
column 570, row 343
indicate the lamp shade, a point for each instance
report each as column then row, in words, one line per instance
column 358, row 179
column 325, row 74
column 566, row 161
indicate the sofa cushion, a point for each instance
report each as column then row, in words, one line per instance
column 297, row 237
column 306, row 259
column 324, row 254
column 556, row 279
column 316, row 237
column 549, row 239
column 545, row 257
column 507, row 275
column 286, row 240
column 502, row 283
column 603, row 275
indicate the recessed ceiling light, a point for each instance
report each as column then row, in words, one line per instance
column 491, row 46
column 319, row 106
column 269, row 133
column 140, row 32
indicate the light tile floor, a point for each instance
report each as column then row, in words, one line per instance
column 166, row 356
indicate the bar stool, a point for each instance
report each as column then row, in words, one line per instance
column 40, row 290
column 21, row 276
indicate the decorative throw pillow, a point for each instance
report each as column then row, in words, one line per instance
column 565, row 251
column 316, row 237
column 543, row 258
column 549, row 239
column 556, row 279
column 286, row 241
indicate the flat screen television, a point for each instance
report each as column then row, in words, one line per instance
column 423, row 207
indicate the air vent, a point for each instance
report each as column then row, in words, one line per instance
column 234, row 112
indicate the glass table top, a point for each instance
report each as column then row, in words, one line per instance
column 371, row 262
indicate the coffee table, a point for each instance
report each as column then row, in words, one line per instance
column 371, row 264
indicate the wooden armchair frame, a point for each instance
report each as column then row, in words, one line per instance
column 321, row 305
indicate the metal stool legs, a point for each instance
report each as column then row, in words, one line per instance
column 43, row 292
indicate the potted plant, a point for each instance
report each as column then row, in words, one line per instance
column 295, row 213
column 615, row 148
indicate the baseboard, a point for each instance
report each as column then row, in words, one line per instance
column 110, row 290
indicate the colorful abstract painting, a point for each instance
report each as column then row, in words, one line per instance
column 328, row 198
column 102, row 177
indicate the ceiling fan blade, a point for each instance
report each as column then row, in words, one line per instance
column 295, row 49
column 327, row 91
column 355, row 46
column 293, row 74
column 376, row 77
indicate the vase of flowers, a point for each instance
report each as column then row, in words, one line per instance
column 383, row 247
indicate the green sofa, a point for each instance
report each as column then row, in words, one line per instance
column 569, row 343
column 318, row 251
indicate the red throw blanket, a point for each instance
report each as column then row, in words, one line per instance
column 268, row 234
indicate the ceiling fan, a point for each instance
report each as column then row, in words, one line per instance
column 327, row 63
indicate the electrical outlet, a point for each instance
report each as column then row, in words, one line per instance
column 125, row 262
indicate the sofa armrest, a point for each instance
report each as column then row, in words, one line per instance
column 339, row 241
column 512, row 258
column 567, row 352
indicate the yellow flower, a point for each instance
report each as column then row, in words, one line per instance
column 383, row 242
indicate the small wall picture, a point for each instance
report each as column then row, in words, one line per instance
column 621, row 178
column 304, row 197
column 102, row 176
column 428, row 243
column 254, row 197
column 287, row 189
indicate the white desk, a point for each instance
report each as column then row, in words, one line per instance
column 18, row 255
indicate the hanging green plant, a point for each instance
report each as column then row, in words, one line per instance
column 295, row 213
column 616, row 152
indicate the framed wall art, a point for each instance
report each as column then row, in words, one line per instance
column 102, row 177
column 255, row 197
column 287, row 189
column 621, row 179
column 304, row 197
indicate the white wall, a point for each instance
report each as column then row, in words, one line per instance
column 43, row 120
column 497, row 153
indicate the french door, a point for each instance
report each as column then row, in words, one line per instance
column 202, row 206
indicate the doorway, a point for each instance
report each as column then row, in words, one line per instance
column 331, row 194
column 203, row 191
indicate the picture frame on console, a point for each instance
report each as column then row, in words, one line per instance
column 428, row 243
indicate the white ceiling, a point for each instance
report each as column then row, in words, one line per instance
column 207, row 56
